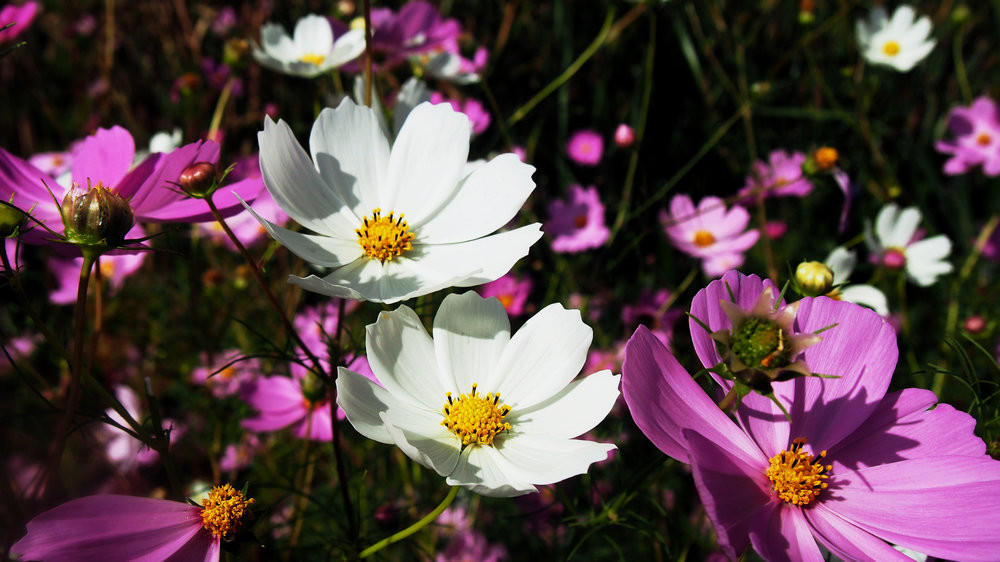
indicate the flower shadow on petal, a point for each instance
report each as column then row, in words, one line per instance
column 343, row 182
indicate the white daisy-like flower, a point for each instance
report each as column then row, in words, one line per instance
column 841, row 262
column 900, row 42
column 399, row 222
column 490, row 412
column 895, row 245
column 311, row 51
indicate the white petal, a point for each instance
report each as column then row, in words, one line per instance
column 276, row 42
column 347, row 48
column 425, row 440
column 363, row 403
column 329, row 288
column 543, row 356
column 866, row 295
column 541, row 459
column 401, row 355
column 484, row 471
column 841, row 262
column 426, row 162
column 325, row 251
column 352, row 154
column 885, row 224
column 485, row 201
column 925, row 260
column 296, row 186
column 479, row 261
column 470, row 334
column 413, row 93
column 904, row 228
column 570, row 413
column 313, row 36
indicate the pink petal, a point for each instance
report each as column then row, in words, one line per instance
column 111, row 528
column 846, row 540
column 23, row 181
column 941, row 506
column 158, row 189
column 105, row 157
column 781, row 532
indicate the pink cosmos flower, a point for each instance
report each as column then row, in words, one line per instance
column 850, row 460
column 20, row 16
column 585, row 147
column 108, row 527
column 780, row 176
column 976, row 138
column 512, row 292
column 578, row 223
column 472, row 108
column 54, row 164
column 709, row 232
column 226, row 374
column 115, row 267
column 238, row 456
column 106, row 158
column 417, row 28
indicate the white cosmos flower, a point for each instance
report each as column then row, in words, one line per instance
column 311, row 51
column 516, row 392
column 901, row 42
column 841, row 262
column 896, row 247
column 399, row 222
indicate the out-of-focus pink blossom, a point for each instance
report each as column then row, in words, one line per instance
column 227, row 374
column 472, row 108
column 121, row 448
column 216, row 75
column 975, row 138
column 585, row 147
column 224, row 21
column 20, row 16
column 711, row 232
column 775, row 229
column 781, row 176
column 577, row 224
column 624, row 136
column 114, row 267
column 238, row 456
column 512, row 292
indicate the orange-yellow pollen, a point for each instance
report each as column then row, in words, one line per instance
column 476, row 420
column 826, row 157
column 891, row 48
column 796, row 476
column 310, row 58
column 984, row 139
column 384, row 238
column 703, row 238
column 222, row 512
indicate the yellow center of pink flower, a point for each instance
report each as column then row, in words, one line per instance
column 222, row 512
column 476, row 420
column 384, row 238
column 891, row 48
column 312, row 59
column 703, row 238
column 796, row 476
column 984, row 139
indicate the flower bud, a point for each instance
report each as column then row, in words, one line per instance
column 198, row 179
column 12, row 219
column 826, row 157
column 235, row 52
column 974, row 324
column 813, row 278
column 96, row 216
column 624, row 136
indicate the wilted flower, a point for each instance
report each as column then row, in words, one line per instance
column 976, row 138
column 709, row 232
column 901, row 42
column 311, row 51
column 493, row 413
column 897, row 246
column 578, row 223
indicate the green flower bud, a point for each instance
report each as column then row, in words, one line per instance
column 813, row 278
column 12, row 220
column 96, row 216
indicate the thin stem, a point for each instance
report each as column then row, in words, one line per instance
column 161, row 442
column 220, row 107
column 367, row 7
column 338, row 457
column 960, row 74
column 305, row 486
column 412, row 528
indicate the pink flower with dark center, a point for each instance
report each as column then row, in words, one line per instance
column 585, row 147
column 227, row 374
column 975, row 138
column 578, row 223
column 20, row 16
column 780, row 176
column 852, row 468
column 710, row 232
column 105, row 158
column 417, row 28
column 108, row 527
column 512, row 292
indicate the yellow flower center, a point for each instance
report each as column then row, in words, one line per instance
column 507, row 300
column 796, row 476
column 891, row 48
column 826, row 157
column 310, row 58
column 384, row 238
column 703, row 238
column 983, row 139
column 222, row 512
column 475, row 419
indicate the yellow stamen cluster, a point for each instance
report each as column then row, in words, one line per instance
column 222, row 512
column 475, row 419
column 796, row 476
column 310, row 58
column 703, row 238
column 384, row 238
column 891, row 48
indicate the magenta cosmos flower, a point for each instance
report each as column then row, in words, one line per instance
column 780, row 176
column 110, row 528
column 845, row 467
column 577, row 224
column 20, row 16
column 710, row 232
column 585, row 147
column 106, row 158
column 975, row 138
column 512, row 292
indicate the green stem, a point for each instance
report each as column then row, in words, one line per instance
column 568, row 73
column 412, row 528
column 220, row 107
column 960, row 75
column 161, row 442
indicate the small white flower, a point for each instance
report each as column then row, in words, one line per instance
column 493, row 413
column 311, row 52
column 841, row 262
column 895, row 246
column 399, row 222
column 901, row 42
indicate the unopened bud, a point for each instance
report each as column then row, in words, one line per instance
column 974, row 324
column 624, row 136
column 826, row 157
column 12, row 219
column 235, row 51
column 96, row 216
column 813, row 278
column 198, row 179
